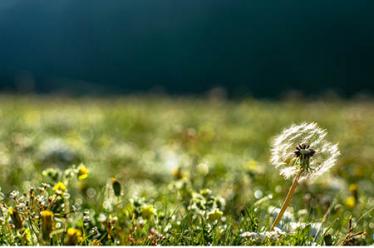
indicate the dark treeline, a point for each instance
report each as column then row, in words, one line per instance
column 258, row 47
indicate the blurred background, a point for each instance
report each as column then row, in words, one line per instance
column 261, row 48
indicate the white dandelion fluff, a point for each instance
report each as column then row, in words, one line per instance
column 301, row 152
column 303, row 149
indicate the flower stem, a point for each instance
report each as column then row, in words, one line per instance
column 286, row 202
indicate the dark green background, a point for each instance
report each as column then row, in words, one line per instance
column 258, row 47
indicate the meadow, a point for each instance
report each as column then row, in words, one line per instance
column 178, row 171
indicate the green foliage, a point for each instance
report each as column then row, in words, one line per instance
column 160, row 171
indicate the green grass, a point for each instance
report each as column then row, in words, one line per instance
column 192, row 171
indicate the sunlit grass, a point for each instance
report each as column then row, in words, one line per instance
column 157, row 170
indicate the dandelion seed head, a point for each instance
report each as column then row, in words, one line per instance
column 306, row 138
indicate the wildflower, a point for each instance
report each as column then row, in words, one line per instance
column 350, row 201
column 16, row 218
column 147, row 211
column 82, row 172
column 116, row 187
column 73, row 236
column 261, row 236
column 303, row 149
column 301, row 152
column 47, row 223
column 27, row 236
column 59, row 188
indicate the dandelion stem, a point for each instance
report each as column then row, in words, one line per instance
column 286, row 202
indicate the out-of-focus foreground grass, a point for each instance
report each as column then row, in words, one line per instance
column 192, row 171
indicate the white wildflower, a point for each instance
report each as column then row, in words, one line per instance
column 261, row 236
column 305, row 141
column 253, row 235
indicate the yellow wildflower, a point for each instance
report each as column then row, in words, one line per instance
column 73, row 236
column 59, row 188
column 10, row 210
column 47, row 223
column 27, row 236
column 350, row 202
column 82, row 172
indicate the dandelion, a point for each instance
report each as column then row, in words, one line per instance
column 73, row 236
column 47, row 223
column 350, row 201
column 59, row 188
column 301, row 152
column 82, row 172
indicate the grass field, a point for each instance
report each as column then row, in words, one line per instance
column 173, row 171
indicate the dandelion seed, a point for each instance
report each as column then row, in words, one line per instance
column 302, row 153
